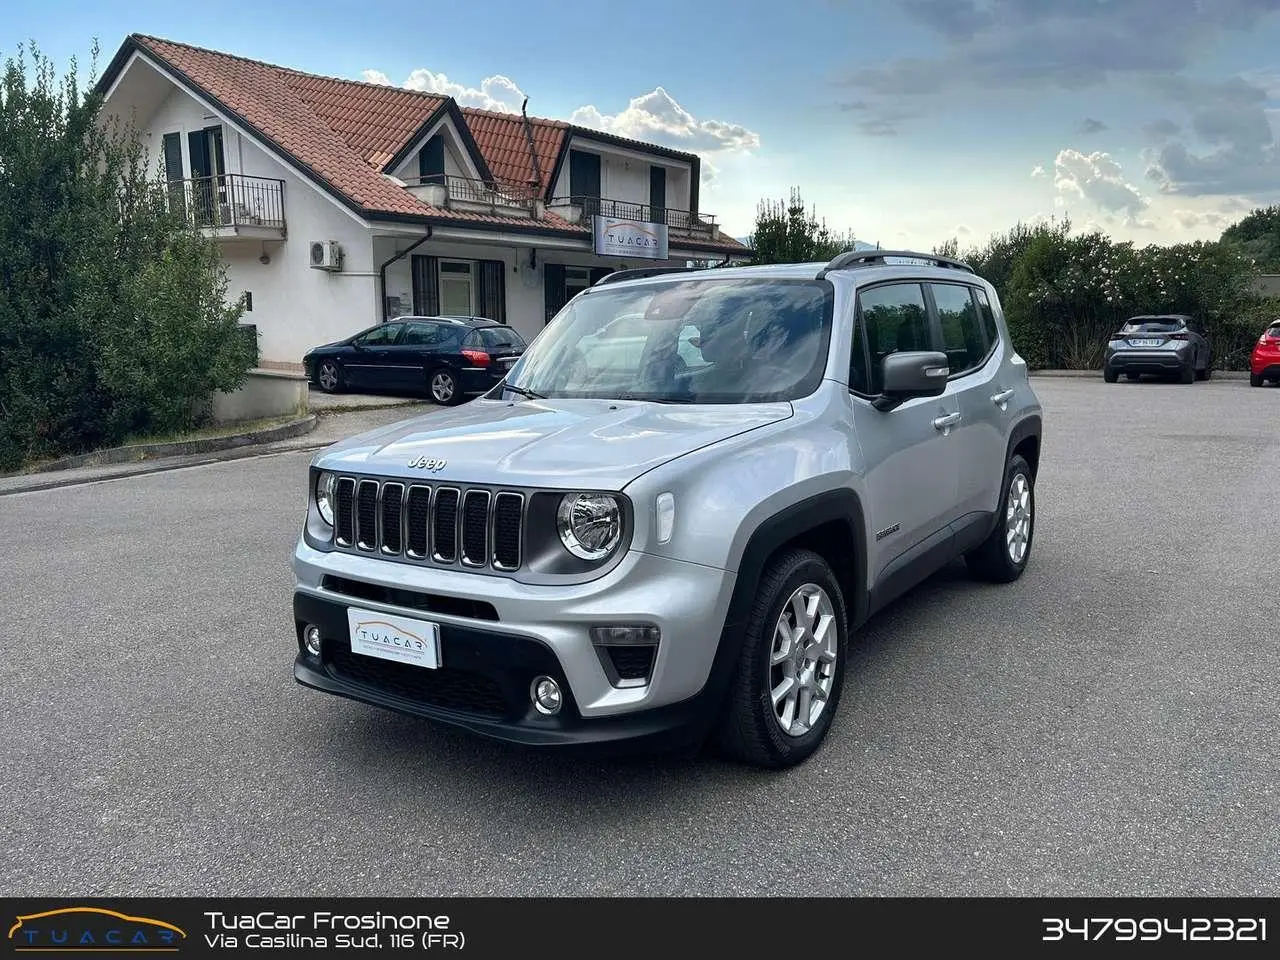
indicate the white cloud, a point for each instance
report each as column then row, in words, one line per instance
column 1039, row 171
column 497, row 93
column 657, row 117
column 1097, row 178
column 961, row 230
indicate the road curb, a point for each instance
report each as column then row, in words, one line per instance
column 1085, row 374
column 45, row 481
column 138, row 452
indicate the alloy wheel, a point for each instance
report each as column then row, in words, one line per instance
column 1017, row 518
column 802, row 659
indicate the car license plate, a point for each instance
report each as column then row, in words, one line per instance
column 388, row 637
column 1146, row 343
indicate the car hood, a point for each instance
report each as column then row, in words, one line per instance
column 602, row 444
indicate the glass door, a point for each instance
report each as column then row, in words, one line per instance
column 456, row 288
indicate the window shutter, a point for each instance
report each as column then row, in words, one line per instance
column 426, row 286
column 553, row 288
column 491, row 294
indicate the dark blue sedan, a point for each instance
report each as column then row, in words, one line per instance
column 449, row 357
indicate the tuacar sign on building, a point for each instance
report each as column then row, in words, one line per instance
column 630, row 238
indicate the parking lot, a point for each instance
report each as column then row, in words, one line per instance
column 1108, row 725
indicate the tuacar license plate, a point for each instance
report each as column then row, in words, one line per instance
column 388, row 637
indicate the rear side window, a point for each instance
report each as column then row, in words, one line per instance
column 988, row 316
column 421, row 334
column 892, row 318
column 962, row 337
column 1273, row 330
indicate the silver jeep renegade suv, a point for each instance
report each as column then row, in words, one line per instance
column 666, row 521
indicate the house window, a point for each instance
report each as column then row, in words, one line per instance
column 456, row 288
column 584, row 179
column 431, row 161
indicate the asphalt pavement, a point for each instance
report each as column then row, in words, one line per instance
column 1108, row 725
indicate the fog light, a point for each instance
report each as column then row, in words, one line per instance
column 311, row 637
column 546, row 697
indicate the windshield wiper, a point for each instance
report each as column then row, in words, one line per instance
column 521, row 391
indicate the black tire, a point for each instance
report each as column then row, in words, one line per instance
column 329, row 376
column 442, row 384
column 1133, row 376
column 1110, row 375
column 1205, row 373
column 1188, row 373
column 1255, row 380
column 750, row 731
column 991, row 561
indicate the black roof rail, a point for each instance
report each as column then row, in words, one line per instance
column 868, row 258
column 640, row 272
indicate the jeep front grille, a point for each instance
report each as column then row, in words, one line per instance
column 473, row 527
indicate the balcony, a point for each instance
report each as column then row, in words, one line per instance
column 494, row 197
column 680, row 223
column 231, row 205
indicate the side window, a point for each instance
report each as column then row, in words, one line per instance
column 420, row 334
column 380, row 336
column 988, row 316
column 472, row 341
column 893, row 318
column 962, row 336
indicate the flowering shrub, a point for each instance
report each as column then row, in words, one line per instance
column 1064, row 295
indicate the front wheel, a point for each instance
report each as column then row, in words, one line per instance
column 444, row 387
column 1255, row 380
column 329, row 376
column 1003, row 556
column 1110, row 375
column 791, row 668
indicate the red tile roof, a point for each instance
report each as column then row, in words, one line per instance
column 342, row 133
column 505, row 144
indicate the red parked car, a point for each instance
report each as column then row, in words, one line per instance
column 1265, row 363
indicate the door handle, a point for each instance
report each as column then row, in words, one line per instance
column 1001, row 399
column 946, row 423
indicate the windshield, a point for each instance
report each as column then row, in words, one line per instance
column 692, row 341
column 1158, row 325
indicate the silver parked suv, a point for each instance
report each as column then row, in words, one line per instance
column 665, row 523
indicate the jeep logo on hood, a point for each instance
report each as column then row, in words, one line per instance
column 427, row 463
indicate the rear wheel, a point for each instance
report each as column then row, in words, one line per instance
column 443, row 384
column 1187, row 374
column 791, row 669
column 1255, row 380
column 1205, row 372
column 1003, row 556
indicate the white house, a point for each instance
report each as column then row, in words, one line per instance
column 339, row 204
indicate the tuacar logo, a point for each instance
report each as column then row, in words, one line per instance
column 92, row 930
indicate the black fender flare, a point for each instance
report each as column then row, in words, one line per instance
column 840, row 505
column 1030, row 426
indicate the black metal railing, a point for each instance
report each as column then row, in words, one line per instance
column 493, row 193
column 681, row 221
column 229, row 200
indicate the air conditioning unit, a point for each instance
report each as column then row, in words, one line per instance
column 326, row 255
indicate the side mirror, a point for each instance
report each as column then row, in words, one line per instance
column 911, row 374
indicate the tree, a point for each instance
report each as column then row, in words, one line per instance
column 1257, row 236
column 113, row 313
column 785, row 232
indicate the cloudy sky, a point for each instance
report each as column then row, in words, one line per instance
column 907, row 123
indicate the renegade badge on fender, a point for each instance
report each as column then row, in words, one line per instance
column 664, row 530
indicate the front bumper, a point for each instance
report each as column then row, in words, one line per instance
column 1149, row 361
column 491, row 654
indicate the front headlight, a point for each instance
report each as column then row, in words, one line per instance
column 324, row 497
column 590, row 524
